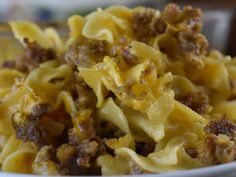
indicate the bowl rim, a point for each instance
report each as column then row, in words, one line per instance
column 217, row 169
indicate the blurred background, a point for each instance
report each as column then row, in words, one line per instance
column 219, row 15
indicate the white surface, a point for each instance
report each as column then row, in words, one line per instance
column 225, row 170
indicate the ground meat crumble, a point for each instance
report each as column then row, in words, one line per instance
column 67, row 159
column 181, row 26
column 86, row 53
column 219, row 146
column 217, row 150
column 30, row 128
column 34, row 55
column 197, row 101
column 222, row 126
column 148, row 24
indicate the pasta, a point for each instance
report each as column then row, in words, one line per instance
column 131, row 91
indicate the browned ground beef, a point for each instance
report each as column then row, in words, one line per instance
column 197, row 101
column 30, row 127
column 147, row 24
column 219, row 146
column 34, row 55
column 217, row 150
column 86, row 53
column 67, row 159
column 190, row 42
column 46, row 163
column 86, row 97
column 222, row 126
column 83, row 130
column 40, row 110
column 31, row 130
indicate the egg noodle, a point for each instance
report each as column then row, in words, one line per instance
column 130, row 91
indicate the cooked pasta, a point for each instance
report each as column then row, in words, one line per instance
column 130, row 91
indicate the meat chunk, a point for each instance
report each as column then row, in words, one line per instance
column 219, row 146
column 67, row 159
column 86, row 53
column 78, row 159
column 187, row 17
column 74, row 56
column 181, row 28
column 46, row 163
column 30, row 128
column 197, row 101
column 83, row 128
column 190, row 42
column 191, row 46
column 34, row 55
column 40, row 109
column 84, row 131
column 122, row 50
column 222, row 126
column 86, row 97
column 85, row 100
column 217, row 150
column 147, row 24
column 86, row 151
column 66, row 154
column 144, row 17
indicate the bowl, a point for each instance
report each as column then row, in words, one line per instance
column 226, row 170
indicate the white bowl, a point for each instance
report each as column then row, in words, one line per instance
column 224, row 170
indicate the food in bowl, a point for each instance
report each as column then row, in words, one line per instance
column 131, row 91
